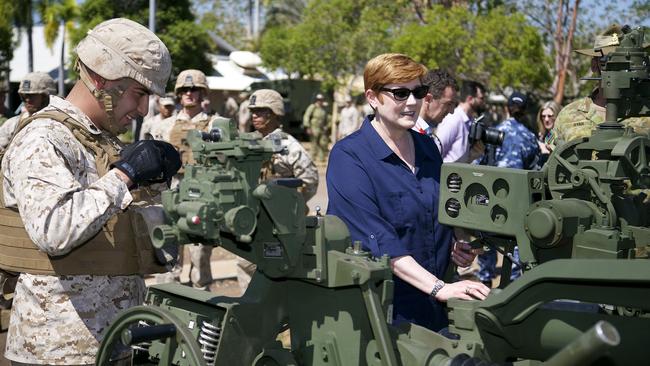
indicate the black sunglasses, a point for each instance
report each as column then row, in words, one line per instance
column 401, row 94
column 185, row 89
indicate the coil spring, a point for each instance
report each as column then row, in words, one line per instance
column 144, row 346
column 209, row 340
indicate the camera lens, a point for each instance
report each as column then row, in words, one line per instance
column 493, row 136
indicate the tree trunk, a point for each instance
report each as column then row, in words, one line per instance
column 62, row 64
column 30, row 44
column 566, row 51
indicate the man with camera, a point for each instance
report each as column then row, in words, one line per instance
column 453, row 131
column 518, row 150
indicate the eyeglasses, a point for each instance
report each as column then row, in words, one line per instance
column 544, row 116
column 184, row 90
column 401, row 94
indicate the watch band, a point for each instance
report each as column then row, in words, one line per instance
column 437, row 287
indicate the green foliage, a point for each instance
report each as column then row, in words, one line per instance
column 334, row 39
column 227, row 19
column 186, row 41
column 497, row 49
column 6, row 44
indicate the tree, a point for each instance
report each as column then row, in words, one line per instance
column 23, row 19
column 496, row 48
column 59, row 14
column 187, row 41
column 6, row 39
column 226, row 18
column 334, row 39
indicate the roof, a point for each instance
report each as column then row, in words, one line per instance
column 45, row 59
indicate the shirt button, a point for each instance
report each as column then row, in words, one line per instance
column 372, row 236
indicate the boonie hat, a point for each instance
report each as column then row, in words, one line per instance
column 267, row 98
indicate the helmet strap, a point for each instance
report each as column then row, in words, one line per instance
column 108, row 98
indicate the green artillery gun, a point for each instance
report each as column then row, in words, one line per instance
column 584, row 298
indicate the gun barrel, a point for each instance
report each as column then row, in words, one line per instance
column 587, row 347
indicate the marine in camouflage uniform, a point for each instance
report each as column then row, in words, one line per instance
column 191, row 88
column 316, row 123
column 65, row 194
column 4, row 113
column 35, row 90
column 267, row 107
column 167, row 108
column 580, row 117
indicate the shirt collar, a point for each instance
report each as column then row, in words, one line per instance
column 382, row 151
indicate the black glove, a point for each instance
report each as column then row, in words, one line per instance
column 149, row 161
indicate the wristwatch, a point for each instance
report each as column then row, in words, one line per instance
column 437, row 287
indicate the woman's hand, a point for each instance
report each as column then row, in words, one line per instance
column 462, row 254
column 466, row 290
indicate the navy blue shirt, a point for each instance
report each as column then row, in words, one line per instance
column 393, row 211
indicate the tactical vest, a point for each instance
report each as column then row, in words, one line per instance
column 178, row 138
column 122, row 247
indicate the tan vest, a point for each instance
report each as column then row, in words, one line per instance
column 178, row 138
column 122, row 247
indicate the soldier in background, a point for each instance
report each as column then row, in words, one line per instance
column 4, row 112
column 580, row 117
column 34, row 90
column 230, row 108
column 244, row 114
column 166, row 109
column 66, row 174
column 316, row 124
column 191, row 88
column 350, row 119
column 267, row 108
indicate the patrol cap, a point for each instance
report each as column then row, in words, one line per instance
column 191, row 78
column 166, row 101
column 267, row 98
column 319, row 96
column 518, row 99
column 37, row 83
column 121, row 48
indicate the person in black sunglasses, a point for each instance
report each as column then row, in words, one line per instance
column 383, row 182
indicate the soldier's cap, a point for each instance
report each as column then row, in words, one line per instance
column 37, row 83
column 267, row 98
column 166, row 101
column 606, row 42
column 518, row 99
column 319, row 96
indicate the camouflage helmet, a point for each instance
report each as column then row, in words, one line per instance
column 191, row 78
column 121, row 48
column 267, row 98
column 37, row 83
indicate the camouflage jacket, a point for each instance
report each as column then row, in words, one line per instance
column 315, row 118
column 295, row 164
column 162, row 132
column 519, row 149
column 52, row 180
column 150, row 125
column 580, row 117
column 8, row 127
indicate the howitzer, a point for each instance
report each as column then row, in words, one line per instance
column 336, row 299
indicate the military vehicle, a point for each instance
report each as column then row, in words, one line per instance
column 583, row 299
column 298, row 95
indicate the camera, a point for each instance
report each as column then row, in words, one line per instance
column 478, row 131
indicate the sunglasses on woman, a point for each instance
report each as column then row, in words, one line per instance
column 401, row 94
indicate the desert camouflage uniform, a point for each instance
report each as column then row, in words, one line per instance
column 8, row 127
column 295, row 164
column 580, row 117
column 52, row 179
column 151, row 125
column 200, row 254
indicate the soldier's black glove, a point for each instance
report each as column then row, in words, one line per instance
column 149, row 161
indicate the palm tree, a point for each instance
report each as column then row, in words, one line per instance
column 22, row 19
column 59, row 14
